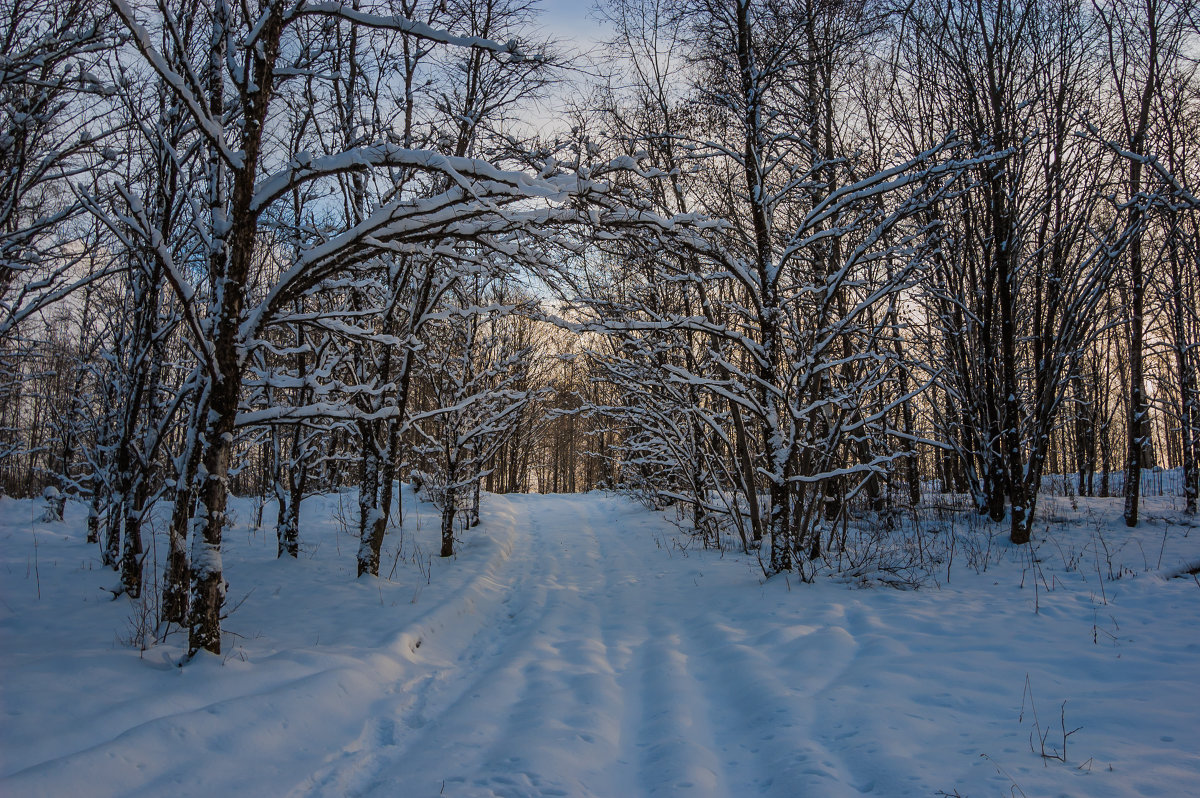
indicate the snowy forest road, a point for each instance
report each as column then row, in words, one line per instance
column 580, row 665
column 579, row 645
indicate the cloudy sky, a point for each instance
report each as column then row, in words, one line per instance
column 571, row 20
column 573, row 24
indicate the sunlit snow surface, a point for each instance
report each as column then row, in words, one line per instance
column 581, row 646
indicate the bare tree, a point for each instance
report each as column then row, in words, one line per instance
column 53, row 106
column 1143, row 38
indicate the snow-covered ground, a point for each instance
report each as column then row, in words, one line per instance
column 580, row 646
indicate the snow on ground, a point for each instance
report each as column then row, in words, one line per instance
column 580, row 646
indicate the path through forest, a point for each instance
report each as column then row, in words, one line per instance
column 585, row 662
column 583, row 646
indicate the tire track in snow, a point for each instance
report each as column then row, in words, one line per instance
column 540, row 666
column 667, row 745
column 589, row 674
column 427, row 659
column 717, row 718
column 772, row 747
column 562, row 709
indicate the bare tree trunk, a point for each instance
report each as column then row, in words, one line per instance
column 1138, row 408
column 208, row 523
column 1189, row 412
column 476, row 487
column 372, row 520
column 110, row 555
column 177, row 575
column 93, row 516
column 1136, row 130
column 449, row 499
column 290, row 475
column 131, row 557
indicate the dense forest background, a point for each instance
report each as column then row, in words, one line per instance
column 786, row 265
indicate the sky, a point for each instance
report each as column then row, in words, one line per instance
column 573, row 25
column 572, row 20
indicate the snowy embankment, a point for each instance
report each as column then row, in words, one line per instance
column 579, row 646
